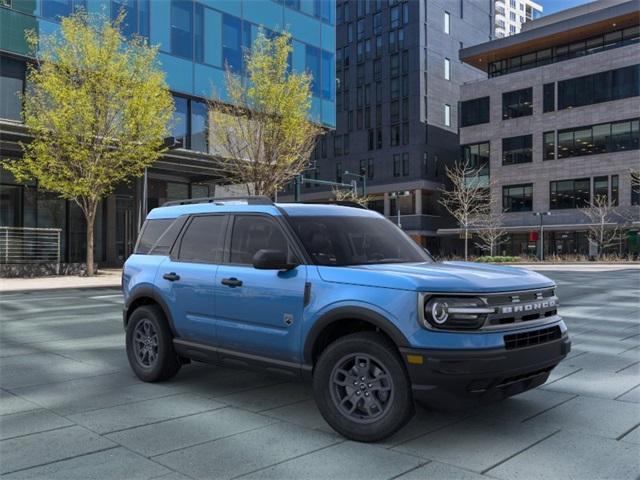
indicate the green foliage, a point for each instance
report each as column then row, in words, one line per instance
column 263, row 132
column 497, row 259
column 98, row 108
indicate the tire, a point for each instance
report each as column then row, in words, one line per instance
column 151, row 356
column 369, row 410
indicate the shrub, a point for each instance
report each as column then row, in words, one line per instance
column 497, row 259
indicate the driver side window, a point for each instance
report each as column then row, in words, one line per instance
column 252, row 233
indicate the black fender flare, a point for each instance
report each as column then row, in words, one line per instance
column 148, row 292
column 351, row 313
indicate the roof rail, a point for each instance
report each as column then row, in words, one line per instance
column 341, row 203
column 250, row 200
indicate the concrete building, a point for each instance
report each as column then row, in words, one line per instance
column 397, row 97
column 510, row 15
column 196, row 39
column 556, row 122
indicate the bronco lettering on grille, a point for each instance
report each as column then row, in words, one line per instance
column 528, row 307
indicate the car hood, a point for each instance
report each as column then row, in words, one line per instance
column 438, row 277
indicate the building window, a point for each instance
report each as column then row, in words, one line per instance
column 615, row 193
column 405, row 133
column 136, row 20
column 394, row 17
column 635, row 189
column 199, row 126
column 395, row 135
column 312, row 61
column 337, row 145
column 370, row 137
column 447, row 69
column 476, row 156
column 53, row 10
column 377, row 24
column 516, row 150
column 447, row 22
column 549, row 146
column 396, row 166
column 12, row 79
column 474, row 112
column 339, row 172
column 549, row 97
column 179, row 129
column 570, row 193
column 394, row 65
column 370, row 168
column 517, row 198
column 378, row 139
column 518, row 103
column 601, row 188
column 345, row 144
column 394, row 112
column 447, row 115
column 405, row 164
column 600, row 87
column 327, row 76
column 602, row 138
column 182, row 28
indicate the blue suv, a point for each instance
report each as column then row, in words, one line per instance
column 338, row 295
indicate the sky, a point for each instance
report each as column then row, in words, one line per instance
column 553, row 6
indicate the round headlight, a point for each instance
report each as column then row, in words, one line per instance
column 439, row 311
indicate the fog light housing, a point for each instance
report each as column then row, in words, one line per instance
column 455, row 313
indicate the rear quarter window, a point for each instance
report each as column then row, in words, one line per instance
column 151, row 233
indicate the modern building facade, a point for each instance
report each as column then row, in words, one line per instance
column 197, row 39
column 398, row 81
column 555, row 121
column 510, row 15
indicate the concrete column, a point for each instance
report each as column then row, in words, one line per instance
column 418, row 200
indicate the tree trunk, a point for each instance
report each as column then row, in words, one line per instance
column 90, row 217
column 466, row 243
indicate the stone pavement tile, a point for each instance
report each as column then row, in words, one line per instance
column 346, row 460
column 10, row 403
column 213, row 381
column 305, row 414
column 173, row 476
column 41, row 368
column 11, row 349
column 523, row 406
column 596, row 416
column 41, row 448
column 266, row 398
column 476, row 444
column 184, row 432
column 93, row 393
column 116, row 463
column 440, row 471
column 423, row 422
column 632, row 395
column 34, row 421
column 571, row 456
column 606, row 363
column 561, row 371
column 633, row 436
column 136, row 414
column 595, row 384
column 247, row 452
column 593, row 342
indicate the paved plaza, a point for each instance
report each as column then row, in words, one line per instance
column 70, row 407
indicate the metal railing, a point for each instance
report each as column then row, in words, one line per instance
column 29, row 245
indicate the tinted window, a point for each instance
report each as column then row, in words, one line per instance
column 517, row 198
column 11, row 84
column 181, row 28
column 518, row 103
column 600, row 87
column 342, row 240
column 252, row 233
column 570, row 193
column 203, row 240
column 151, row 232
column 163, row 245
column 516, row 150
column 473, row 112
column 549, row 98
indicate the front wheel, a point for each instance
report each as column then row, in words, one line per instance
column 149, row 345
column 361, row 387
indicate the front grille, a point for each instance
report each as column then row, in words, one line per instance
column 535, row 337
column 523, row 377
column 516, row 299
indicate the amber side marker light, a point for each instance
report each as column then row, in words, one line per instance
column 415, row 359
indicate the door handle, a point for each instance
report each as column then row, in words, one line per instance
column 172, row 277
column 231, row 282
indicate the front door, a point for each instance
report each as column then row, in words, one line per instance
column 259, row 311
column 187, row 279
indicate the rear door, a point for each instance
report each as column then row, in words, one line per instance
column 187, row 279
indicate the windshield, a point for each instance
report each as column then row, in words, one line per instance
column 344, row 240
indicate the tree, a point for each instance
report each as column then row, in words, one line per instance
column 262, row 132
column 467, row 198
column 98, row 108
column 604, row 227
column 490, row 229
column 349, row 195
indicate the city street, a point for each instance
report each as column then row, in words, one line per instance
column 71, row 407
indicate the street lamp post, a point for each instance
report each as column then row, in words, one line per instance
column 397, row 196
column 364, row 181
column 541, row 215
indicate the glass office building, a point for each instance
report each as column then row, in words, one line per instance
column 197, row 40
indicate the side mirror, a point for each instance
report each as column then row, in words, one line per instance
column 272, row 260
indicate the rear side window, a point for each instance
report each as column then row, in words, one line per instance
column 203, row 240
column 252, row 233
column 150, row 234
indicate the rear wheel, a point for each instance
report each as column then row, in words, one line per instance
column 361, row 387
column 149, row 345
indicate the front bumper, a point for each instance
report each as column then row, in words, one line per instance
column 454, row 379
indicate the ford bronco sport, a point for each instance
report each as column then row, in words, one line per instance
column 340, row 296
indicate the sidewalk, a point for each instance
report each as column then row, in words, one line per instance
column 105, row 278
column 578, row 267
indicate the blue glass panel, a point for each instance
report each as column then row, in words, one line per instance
column 231, row 42
column 179, row 73
column 328, row 113
column 313, row 67
column 130, row 22
column 328, row 76
column 160, row 25
column 143, row 18
column 198, row 126
column 181, row 28
column 299, row 56
column 302, row 27
column 212, row 37
column 308, row 6
column 328, row 37
column 54, row 9
column 265, row 13
column 198, row 33
column 208, row 81
column 233, row 7
column 179, row 121
column 315, row 111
